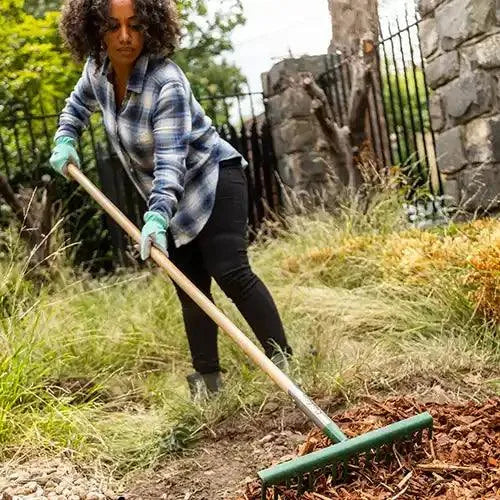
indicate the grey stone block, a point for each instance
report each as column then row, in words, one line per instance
column 286, row 170
column 444, row 68
column 275, row 110
column 278, row 78
column 497, row 87
column 468, row 59
column 495, row 138
column 427, row 6
column 436, row 112
column 468, row 96
column 451, row 188
column 498, row 11
column 480, row 187
column 459, row 20
column 485, row 54
column 429, row 37
column 295, row 103
column 265, row 83
column 292, row 103
column 295, row 136
column 477, row 138
column 312, row 64
column 302, row 170
column 482, row 140
column 450, row 151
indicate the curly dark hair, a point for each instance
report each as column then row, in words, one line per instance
column 84, row 22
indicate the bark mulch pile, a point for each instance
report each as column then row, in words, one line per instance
column 462, row 461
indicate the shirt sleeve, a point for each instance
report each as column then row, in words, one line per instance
column 171, row 132
column 79, row 106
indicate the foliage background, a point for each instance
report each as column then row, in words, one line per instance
column 35, row 63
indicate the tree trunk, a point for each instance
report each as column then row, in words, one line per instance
column 352, row 22
column 345, row 142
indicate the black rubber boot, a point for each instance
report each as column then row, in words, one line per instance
column 202, row 386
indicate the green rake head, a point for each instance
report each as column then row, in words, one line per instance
column 302, row 471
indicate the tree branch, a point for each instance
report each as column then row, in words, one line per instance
column 339, row 138
column 358, row 102
column 321, row 109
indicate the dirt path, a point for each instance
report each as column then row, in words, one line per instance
column 462, row 462
column 228, row 457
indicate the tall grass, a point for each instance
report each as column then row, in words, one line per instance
column 97, row 366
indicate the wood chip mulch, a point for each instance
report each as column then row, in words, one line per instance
column 461, row 461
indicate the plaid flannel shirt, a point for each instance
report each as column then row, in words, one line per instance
column 164, row 140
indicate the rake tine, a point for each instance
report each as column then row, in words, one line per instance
column 300, row 485
column 339, row 471
column 407, row 446
column 420, row 437
column 327, row 471
column 400, row 445
column 334, row 472
column 388, row 453
column 344, row 469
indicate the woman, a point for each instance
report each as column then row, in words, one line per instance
column 192, row 180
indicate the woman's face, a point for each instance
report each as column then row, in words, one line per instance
column 124, row 38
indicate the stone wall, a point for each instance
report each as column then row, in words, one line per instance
column 302, row 153
column 461, row 46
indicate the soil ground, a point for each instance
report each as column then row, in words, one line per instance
column 461, row 461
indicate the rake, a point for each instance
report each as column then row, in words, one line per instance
column 302, row 471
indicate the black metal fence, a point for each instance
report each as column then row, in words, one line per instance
column 398, row 121
column 25, row 147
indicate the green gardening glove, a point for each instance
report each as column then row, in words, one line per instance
column 154, row 232
column 64, row 153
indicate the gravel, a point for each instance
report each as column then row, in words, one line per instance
column 55, row 479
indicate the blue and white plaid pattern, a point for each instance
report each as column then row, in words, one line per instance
column 161, row 134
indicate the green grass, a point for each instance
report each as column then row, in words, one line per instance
column 358, row 321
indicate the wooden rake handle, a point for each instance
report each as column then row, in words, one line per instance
column 310, row 408
column 164, row 262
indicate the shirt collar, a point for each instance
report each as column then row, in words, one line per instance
column 136, row 79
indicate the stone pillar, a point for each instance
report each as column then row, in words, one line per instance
column 461, row 47
column 303, row 156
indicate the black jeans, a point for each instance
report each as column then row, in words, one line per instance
column 220, row 252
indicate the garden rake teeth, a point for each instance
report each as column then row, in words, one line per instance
column 302, row 467
column 335, row 459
